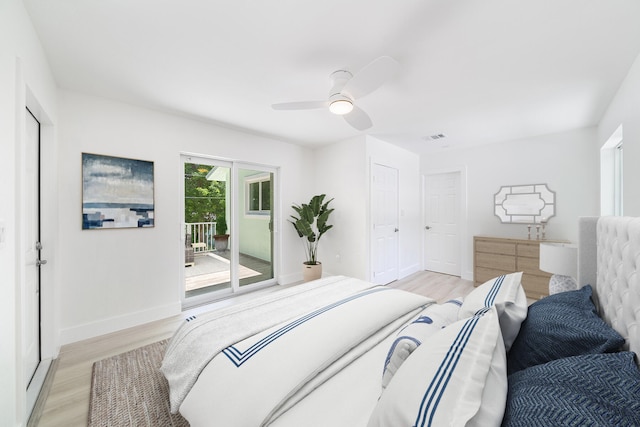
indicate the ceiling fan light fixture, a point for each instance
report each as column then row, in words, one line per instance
column 340, row 104
column 347, row 87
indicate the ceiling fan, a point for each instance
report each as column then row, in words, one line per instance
column 346, row 88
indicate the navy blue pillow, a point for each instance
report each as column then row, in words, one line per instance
column 561, row 325
column 588, row 390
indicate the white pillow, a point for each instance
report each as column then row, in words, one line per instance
column 429, row 321
column 459, row 379
column 506, row 293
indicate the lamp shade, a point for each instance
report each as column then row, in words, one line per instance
column 559, row 258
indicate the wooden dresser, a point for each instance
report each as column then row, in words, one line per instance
column 494, row 256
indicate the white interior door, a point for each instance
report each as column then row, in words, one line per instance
column 442, row 223
column 31, row 247
column 384, row 213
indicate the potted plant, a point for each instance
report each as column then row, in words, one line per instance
column 221, row 238
column 311, row 224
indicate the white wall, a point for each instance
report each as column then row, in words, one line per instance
column 24, row 78
column 340, row 173
column 625, row 110
column 565, row 161
column 343, row 172
column 118, row 278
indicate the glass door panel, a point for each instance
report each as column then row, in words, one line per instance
column 228, row 228
column 255, row 225
column 206, row 209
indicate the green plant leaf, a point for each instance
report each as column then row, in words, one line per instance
column 324, row 230
column 296, row 228
column 323, row 218
column 324, row 207
column 307, row 214
column 303, row 227
column 316, row 203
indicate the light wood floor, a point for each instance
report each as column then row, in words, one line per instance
column 67, row 403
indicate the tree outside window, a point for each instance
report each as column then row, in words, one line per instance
column 205, row 200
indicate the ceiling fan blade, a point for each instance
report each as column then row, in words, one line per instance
column 358, row 119
column 371, row 77
column 302, row 105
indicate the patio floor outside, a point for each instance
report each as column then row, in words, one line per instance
column 211, row 272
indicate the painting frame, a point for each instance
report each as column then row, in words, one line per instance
column 117, row 192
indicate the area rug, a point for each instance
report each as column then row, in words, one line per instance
column 129, row 390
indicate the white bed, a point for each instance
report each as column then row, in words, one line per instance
column 609, row 256
column 314, row 355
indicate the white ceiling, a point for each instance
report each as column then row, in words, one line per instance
column 476, row 70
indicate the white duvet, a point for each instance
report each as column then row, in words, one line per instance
column 200, row 338
column 264, row 378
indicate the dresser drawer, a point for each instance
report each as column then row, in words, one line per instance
column 492, row 247
column 530, row 266
column 535, row 287
column 484, row 274
column 496, row 262
column 527, row 250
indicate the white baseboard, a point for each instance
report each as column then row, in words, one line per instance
column 467, row 275
column 407, row 271
column 287, row 279
column 117, row 323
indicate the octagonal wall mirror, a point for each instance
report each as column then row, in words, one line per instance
column 528, row 204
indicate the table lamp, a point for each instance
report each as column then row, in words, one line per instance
column 561, row 260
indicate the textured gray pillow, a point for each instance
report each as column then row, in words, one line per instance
column 558, row 326
column 587, row 390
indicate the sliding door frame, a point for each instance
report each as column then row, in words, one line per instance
column 233, row 228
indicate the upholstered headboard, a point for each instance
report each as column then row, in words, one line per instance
column 608, row 260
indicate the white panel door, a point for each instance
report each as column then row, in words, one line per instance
column 31, row 247
column 442, row 228
column 384, row 214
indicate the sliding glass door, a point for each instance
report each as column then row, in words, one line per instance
column 206, row 208
column 255, row 225
column 228, row 228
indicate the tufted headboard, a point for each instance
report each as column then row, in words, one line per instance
column 609, row 257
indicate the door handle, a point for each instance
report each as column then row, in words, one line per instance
column 395, row 230
column 41, row 262
column 427, row 227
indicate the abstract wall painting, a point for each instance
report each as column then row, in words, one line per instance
column 116, row 192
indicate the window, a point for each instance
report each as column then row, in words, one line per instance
column 617, row 181
column 258, row 194
column 611, row 175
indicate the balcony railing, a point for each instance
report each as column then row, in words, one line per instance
column 201, row 236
